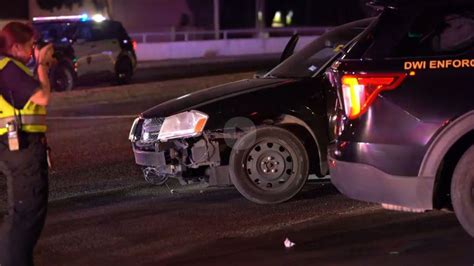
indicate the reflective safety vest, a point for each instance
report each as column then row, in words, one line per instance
column 33, row 116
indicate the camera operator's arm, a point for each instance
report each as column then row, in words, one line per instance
column 45, row 60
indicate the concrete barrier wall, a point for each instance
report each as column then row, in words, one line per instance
column 217, row 48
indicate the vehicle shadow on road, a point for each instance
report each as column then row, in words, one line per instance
column 316, row 189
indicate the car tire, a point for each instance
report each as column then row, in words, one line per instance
column 123, row 70
column 269, row 165
column 462, row 191
column 62, row 77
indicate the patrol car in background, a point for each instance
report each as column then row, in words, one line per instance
column 406, row 99
column 87, row 48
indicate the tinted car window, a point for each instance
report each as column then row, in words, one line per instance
column 411, row 33
column 114, row 30
column 55, row 31
column 107, row 30
column 98, row 32
column 456, row 34
column 84, row 32
column 437, row 32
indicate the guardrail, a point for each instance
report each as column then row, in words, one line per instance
column 175, row 36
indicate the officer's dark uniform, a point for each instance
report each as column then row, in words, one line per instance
column 26, row 170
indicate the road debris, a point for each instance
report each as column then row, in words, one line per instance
column 288, row 243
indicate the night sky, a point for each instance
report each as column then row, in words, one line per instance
column 14, row 9
column 241, row 13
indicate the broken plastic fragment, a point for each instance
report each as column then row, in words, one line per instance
column 288, row 243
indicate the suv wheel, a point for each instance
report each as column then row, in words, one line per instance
column 62, row 78
column 123, row 70
column 462, row 191
column 269, row 165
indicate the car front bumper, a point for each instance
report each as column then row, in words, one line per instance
column 159, row 160
column 147, row 158
column 367, row 183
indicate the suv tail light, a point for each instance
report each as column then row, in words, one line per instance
column 134, row 43
column 360, row 90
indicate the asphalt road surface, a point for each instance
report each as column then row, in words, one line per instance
column 103, row 213
column 150, row 71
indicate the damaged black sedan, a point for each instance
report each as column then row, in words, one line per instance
column 263, row 135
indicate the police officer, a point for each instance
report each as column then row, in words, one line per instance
column 23, row 156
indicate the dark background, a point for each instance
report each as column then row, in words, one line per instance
column 17, row 9
column 241, row 13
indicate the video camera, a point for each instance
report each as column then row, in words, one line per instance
column 40, row 43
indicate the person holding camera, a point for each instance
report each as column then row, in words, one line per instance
column 23, row 149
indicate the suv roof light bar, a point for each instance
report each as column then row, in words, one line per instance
column 82, row 17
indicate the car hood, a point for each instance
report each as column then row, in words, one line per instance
column 200, row 98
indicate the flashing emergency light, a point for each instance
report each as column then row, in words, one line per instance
column 98, row 18
column 83, row 17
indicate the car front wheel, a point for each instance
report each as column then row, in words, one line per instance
column 123, row 70
column 462, row 191
column 269, row 165
column 62, row 78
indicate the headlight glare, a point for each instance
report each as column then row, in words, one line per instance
column 131, row 136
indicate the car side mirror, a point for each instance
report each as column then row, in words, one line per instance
column 290, row 47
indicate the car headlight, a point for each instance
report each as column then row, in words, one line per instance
column 182, row 125
column 132, row 136
column 151, row 129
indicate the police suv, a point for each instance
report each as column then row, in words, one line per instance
column 87, row 48
column 406, row 129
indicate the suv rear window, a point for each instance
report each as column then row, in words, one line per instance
column 411, row 33
column 457, row 33
column 434, row 33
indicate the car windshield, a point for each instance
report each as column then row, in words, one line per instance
column 55, row 32
column 311, row 58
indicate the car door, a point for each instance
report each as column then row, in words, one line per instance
column 110, row 45
column 106, row 45
column 86, row 51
